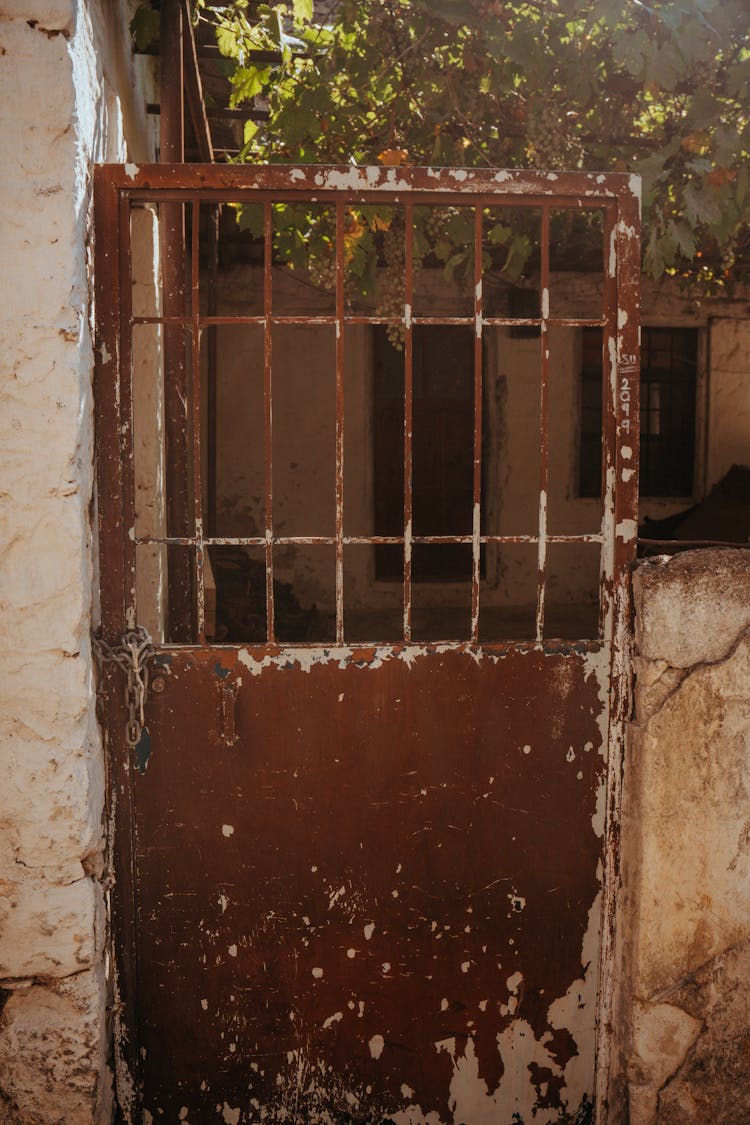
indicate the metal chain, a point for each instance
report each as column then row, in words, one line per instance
column 132, row 655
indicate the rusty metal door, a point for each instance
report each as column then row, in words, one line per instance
column 356, row 880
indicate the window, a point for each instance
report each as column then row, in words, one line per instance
column 669, row 373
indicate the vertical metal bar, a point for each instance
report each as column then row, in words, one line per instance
column 477, row 501
column 108, row 378
column 172, row 150
column 608, row 423
column 111, row 466
column 626, row 258
column 268, row 417
column 196, row 389
column 211, row 368
column 408, row 409
column 543, row 428
column 126, row 410
column 176, row 422
column 171, row 98
column 339, row 421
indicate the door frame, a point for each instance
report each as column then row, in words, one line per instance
column 115, row 186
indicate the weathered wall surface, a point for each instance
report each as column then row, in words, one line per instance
column 685, row 919
column 67, row 88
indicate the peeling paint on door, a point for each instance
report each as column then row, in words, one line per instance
column 366, row 883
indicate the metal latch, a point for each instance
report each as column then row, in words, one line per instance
column 132, row 654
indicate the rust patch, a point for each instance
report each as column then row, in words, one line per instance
column 387, row 882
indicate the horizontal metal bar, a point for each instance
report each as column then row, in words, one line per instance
column 376, row 540
column 683, row 543
column 217, row 112
column 519, row 187
column 358, row 653
column 312, row 321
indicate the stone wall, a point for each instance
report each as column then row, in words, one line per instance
column 70, row 96
column 685, row 917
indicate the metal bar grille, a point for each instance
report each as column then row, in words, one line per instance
column 268, row 416
column 339, row 422
column 478, row 404
column 277, row 186
column 543, row 431
column 196, row 423
column 408, row 416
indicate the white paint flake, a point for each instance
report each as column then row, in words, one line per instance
column 335, row 1018
column 636, row 185
column 131, row 171
column 626, row 530
column 204, row 1005
column 465, row 966
column 227, row 830
column 597, row 820
column 377, row 1043
column 223, row 902
column 232, row 950
column 230, row 1116
column 626, row 452
column 369, row 930
column 317, row 972
column 351, row 953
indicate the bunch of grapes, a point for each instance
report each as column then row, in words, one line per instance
column 392, row 284
column 322, row 271
column 435, row 223
column 551, row 145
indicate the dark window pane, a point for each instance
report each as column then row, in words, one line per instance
column 669, row 366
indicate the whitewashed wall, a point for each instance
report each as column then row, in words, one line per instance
column 682, row 1034
column 70, row 96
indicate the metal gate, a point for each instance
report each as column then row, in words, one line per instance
column 356, row 880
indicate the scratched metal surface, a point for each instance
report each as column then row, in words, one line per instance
column 363, row 885
column 390, row 858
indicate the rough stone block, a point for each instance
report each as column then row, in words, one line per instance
column 695, row 852
column 50, row 931
column 52, row 1043
column 662, row 1037
column 691, row 608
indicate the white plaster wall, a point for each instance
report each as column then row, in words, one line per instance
column 68, row 92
